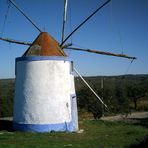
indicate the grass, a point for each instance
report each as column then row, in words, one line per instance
column 96, row 134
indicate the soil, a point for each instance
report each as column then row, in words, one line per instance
column 130, row 117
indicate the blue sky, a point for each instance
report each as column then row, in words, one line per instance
column 121, row 26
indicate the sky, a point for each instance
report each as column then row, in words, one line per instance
column 119, row 27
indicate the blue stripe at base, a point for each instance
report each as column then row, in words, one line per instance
column 43, row 127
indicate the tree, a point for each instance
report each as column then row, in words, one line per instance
column 122, row 100
column 89, row 102
column 6, row 97
column 135, row 92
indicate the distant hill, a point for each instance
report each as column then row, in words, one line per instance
column 141, row 79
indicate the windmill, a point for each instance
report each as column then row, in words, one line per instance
column 45, row 98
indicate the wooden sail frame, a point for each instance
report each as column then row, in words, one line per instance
column 66, row 46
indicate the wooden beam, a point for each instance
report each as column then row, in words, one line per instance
column 64, row 19
column 16, row 42
column 102, row 52
column 22, row 12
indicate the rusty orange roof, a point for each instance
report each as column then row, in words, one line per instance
column 44, row 45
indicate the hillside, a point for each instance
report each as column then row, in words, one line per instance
column 6, row 97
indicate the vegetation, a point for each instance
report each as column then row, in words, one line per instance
column 6, row 97
column 122, row 94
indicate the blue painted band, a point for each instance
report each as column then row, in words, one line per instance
column 40, row 58
column 42, row 127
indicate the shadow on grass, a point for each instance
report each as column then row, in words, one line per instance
column 142, row 144
column 141, row 122
column 6, row 125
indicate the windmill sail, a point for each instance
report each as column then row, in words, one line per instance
column 102, row 52
column 64, row 18
column 85, row 21
column 66, row 46
column 21, row 11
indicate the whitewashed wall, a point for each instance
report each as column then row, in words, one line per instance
column 43, row 95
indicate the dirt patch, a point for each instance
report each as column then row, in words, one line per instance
column 133, row 116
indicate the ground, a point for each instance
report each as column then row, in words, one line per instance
column 133, row 117
column 94, row 133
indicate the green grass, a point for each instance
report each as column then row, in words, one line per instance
column 96, row 134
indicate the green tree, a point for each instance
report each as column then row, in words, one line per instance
column 89, row 102
column 122, row 100
column 135, row 92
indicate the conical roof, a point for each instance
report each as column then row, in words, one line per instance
column 44, row 45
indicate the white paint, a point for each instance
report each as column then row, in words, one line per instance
column 43, row 90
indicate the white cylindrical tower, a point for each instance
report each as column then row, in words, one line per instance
column 45, row 97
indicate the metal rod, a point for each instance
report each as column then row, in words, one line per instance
column 102, row 52
column 64, row 19
column 90, row 88
column 102, row 91
column 15, row 5
column 16, row 42
column 84, row 22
